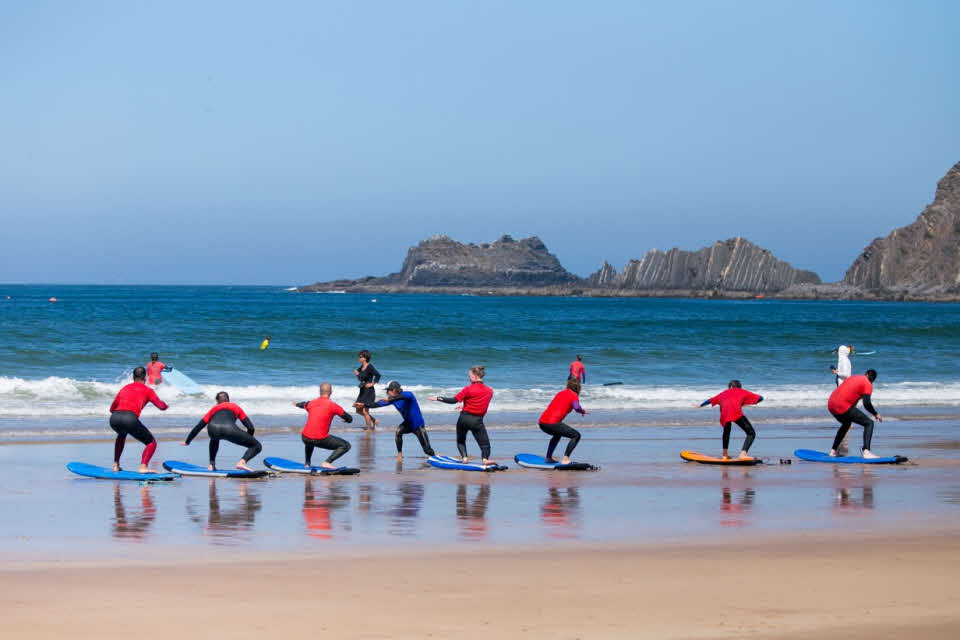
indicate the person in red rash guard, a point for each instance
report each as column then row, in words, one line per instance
column 578, row 371
column 155, row 369
column 551, row 420
column 843, row 406
column 476, row 398
column 731, row 404
column 125, row 418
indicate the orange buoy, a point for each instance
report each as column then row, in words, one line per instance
column 53, row 299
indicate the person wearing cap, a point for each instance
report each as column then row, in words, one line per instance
column 406, row 403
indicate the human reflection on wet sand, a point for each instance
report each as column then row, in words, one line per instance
column 402, row 518
column 229, row 526
column 136, row 527
column 560, row 512
column 472, row 513
column 320, row 499
column 735, row 503
column 853, row 490
column 366, row 450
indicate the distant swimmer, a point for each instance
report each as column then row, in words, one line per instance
column 731, row 404
column 316, row 433
column 125, row 418
column 265, row 344
column 843, row 406
column 578, row 371
column 843, row 369
column 367, row 377
column 221, row 424
column 155, row 369
column 551, row 420
column 476, row 398
column 406, row 403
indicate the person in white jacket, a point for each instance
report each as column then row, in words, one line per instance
column 843, row 368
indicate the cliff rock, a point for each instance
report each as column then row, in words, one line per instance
column 921, row 258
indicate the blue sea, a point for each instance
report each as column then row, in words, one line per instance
column 61, row 363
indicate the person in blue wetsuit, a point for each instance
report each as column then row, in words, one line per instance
column 409, row 409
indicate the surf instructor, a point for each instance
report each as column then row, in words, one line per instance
column 125, row 418
column 155, row 369
column 843, row 406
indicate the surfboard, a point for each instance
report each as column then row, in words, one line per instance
column 820, row 456
column 93, row 471
column 289, row 466
column 864, row 353
column 448, row 462
column 693, row 456
column 187, row 469
column 533, row 461
column 611, row 384
column 182, row 382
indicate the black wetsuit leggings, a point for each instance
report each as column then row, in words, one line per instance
column 421, row 434
column 231, row 433
column 473, row 424
column 846, row 419
column 744, row 424
column 127, row 423
column 560, row 430
column 338, row 445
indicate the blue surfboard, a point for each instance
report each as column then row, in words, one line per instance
column 820, row 456
column 182, row 382
column 289, row 466
column 533, row 461
column 187, row 469
column 448, row 462
column 93, row 471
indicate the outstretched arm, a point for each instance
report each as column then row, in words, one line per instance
column 346, row 417
column 195, row 432
column 447, row 399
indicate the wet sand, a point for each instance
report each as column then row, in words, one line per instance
column 853, row 586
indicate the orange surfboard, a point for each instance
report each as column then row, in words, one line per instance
column 693, row 456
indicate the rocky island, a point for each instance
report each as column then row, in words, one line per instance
column 918, row 262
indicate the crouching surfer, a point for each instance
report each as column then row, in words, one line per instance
column 125, row 418
column 406, row 403
column 731, row 404
column 316, row 432
column 476, row 398
column 843, row 406
column 221, row 424
column 551, row 420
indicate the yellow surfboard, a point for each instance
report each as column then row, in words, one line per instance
column 693, row 456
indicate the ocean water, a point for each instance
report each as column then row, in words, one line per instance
column 61, row 363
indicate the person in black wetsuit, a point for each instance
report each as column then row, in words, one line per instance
column 367, row 376
column 221, row 424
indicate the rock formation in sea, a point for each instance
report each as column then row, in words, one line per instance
column 734, row 265
column 920, row 259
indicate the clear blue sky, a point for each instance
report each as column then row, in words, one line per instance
column 288, row 142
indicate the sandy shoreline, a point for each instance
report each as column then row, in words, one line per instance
column 857, row 585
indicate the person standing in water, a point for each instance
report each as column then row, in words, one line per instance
column 367, row 376
column 155, row 368
column 843, row 406
column 221, row 423
column 316, row 433
column 578, row 371
column 843, row 369
column 551, row 420
column 125, row 418
column 731, row 404
column 476, row 398
column 406, row 403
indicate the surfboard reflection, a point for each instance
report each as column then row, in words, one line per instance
column 136, row 526
column 232, row 525
column 320, row 499
column 472, row 512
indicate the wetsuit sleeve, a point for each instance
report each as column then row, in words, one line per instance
column 576, row 406
column 346, row 417
column 248, row 423
column 868, row 405
column 450, row 399
column 195, row 431
column 302, row 405
column 380, row 403
column 706, row 402
column 155, row 399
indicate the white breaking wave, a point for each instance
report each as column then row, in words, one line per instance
column 67, row 397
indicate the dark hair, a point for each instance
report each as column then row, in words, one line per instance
column 154, row 355
column 223, row 396
column 734, row 384
column 574, row 385
column 479, row 371
column 364, row 354
column 579, row 357
column 871, row 374
column 139, row 373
